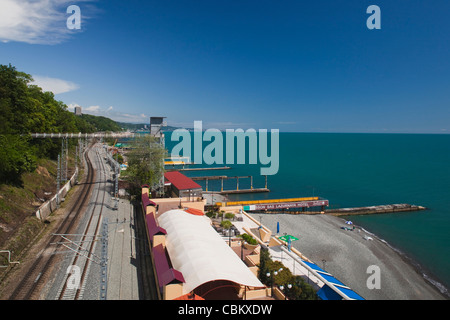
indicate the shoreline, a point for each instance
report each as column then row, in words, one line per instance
column 347, row 255
column 421, row 271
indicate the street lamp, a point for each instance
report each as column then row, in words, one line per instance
column 289, row 286
column 271, row 274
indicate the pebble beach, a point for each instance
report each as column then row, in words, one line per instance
column 347, row 255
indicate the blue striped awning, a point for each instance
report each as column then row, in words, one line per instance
column 333, row 288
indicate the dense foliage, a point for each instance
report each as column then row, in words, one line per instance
column 145, row 163
column 300, row 289
column 101, row 123
column 25, row 108
column 249, row 239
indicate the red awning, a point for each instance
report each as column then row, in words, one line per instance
column 146, row 200
column 180, row 181
column 195, row 212
column 153, row 227
column 164, row 272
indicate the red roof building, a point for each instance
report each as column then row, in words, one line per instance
column 183, row 186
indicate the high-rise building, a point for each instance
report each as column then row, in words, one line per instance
column 77, row 111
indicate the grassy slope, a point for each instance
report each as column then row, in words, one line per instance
column 18, row 204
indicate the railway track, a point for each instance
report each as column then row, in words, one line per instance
column 30, row 286
column 85, row 245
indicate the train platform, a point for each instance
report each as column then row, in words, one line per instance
column 122, row 270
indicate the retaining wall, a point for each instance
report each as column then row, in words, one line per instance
column 51, row 205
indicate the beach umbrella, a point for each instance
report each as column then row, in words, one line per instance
column 348, row 222
column 288, row 238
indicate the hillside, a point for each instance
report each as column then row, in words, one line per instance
column 101, row 123
column 28, row 170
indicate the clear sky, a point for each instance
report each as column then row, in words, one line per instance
column 306, row 66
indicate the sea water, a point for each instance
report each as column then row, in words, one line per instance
column 352, row 170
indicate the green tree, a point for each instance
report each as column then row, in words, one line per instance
column 25, row 108
column 16, row 157
column 226, row 224
column 300, row 290
column 145, row 163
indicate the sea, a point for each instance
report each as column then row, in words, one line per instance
column 362, row 169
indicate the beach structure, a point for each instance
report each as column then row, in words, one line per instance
column 207, row 262
column 389, row 208
column 332, row 288
column 159, row 206
column 328, row 286
column 190, row 259
column 273, row 204
column 182, row 186
column 232, row 191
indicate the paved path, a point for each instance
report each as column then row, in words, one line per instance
column 122, row 266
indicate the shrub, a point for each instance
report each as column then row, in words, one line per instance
column 300, row 289
column 226, row 224
column 210, row 214
column 229, row 216
column 249, row 239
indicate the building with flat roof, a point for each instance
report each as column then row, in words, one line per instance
column 190, row 259
column 77, row 111
column 208, row 264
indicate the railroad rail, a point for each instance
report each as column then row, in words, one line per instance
column 84, row 247
column 31, row 284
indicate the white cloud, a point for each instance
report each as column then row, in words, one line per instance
column 111, row 113
column 71, row 106
column 35, row 21
column 93, row 109
column 54, row 85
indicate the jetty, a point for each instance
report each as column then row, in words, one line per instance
column 198, row 169
column 237, row 191
column 232, row 191
column 300, row 208
column 389, row 208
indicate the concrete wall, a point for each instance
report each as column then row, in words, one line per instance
column 166, row 204
column 173, row 291
column 51, row 205
column 231, row 209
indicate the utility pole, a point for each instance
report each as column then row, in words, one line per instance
column 67, row 160
column 58, row 180
column 76, row 163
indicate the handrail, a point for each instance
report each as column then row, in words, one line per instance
column 9, row 259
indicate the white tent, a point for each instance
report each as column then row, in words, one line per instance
column 199, row 252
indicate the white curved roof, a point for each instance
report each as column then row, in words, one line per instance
column 199, row 252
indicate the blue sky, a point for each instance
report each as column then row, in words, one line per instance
column 306, row 66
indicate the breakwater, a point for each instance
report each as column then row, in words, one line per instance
column 390, row 208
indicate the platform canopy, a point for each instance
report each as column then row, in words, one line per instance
column 200, row 253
